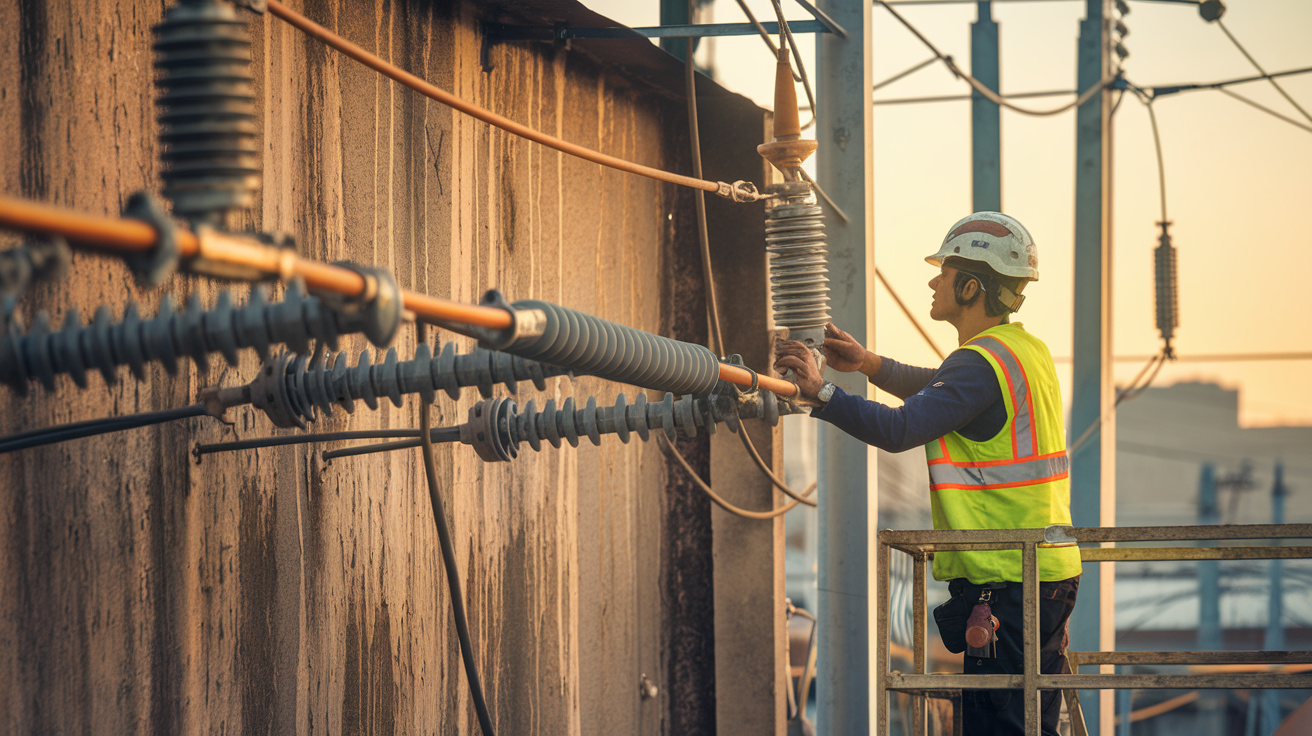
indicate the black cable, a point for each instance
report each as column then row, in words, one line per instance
column 441, row 434
column 1263, row 108
column 64, row 432
column 300, row 439
column 1262, row 71
column 449, row 560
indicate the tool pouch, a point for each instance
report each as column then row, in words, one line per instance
column 962, row 613
column 951, row 618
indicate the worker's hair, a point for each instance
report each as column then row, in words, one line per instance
column 991, row 284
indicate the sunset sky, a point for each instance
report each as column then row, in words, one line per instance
column 1239, row 182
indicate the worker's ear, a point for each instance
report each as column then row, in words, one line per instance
column 966, row 289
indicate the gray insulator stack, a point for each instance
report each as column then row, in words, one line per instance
column 1168, row 310
column 207, row 100
column 496, row 427
column 311, row 385
column 41, row 354
column 799, row 260
column 597, row 347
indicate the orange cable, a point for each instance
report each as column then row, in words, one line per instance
column 126, row 235
column 446, row 98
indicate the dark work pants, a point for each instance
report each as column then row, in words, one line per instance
column 1002, row 712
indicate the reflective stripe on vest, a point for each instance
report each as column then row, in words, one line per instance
column 998, row 474
column 1022, row 426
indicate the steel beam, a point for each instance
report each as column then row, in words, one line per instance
column 1093, row 467
column 985, row 115
column 847, row 493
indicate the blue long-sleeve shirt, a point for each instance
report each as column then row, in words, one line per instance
column 962, row 395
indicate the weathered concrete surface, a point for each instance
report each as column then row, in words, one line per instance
column 266, row 592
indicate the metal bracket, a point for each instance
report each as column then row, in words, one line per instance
column 152, row 267
column 376, row 312
column 1058, row 535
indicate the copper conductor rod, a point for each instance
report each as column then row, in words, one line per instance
column 446, row 98
column 129, row 236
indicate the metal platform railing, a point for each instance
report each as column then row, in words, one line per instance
column 921, row 545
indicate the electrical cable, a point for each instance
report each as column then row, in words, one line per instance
column 703, row 238
column 905, row 73
column 308, row 437
column 91, row 428
column 786, row 32
column 449, row 559
column 1157, row 143
column 983, row 89
column 1129, row 393
column 1262, row 71
column 441, row 434
column 745, row 513
column 1263, row 108
column 708, row 278
column 739, row 192
column 765, row 35
column 127, row 235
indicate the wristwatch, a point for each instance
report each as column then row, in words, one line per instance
column 826, row 392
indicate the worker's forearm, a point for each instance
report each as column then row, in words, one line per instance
column 870, row 365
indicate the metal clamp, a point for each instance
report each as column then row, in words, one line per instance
column 523, row 323
column 376, row 311
column 36, row 261
column 739, row 191
column 152, row 267
column 1058, row 535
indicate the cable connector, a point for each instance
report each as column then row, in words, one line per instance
column 524, row 323
column 739, row 191
column 263, row 256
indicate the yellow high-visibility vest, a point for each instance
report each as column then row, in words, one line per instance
column 1019, row 479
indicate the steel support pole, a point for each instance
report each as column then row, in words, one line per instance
column 985, row 116
column 1093, row 468
column 1211, row 703
column 675, row 13
column 1270, row 715
column 847, row 493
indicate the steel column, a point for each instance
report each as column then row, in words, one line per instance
column 1093, row 467
column 985, row 116
column 848, row 500
column 1275, row 625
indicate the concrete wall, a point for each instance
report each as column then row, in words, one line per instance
column 268, row 592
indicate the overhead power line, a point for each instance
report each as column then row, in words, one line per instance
column 739, row 191
column 1263, row 108
column 1262, row 71
column 1210, row 357
column 982, row 88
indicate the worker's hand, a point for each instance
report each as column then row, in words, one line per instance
column 795, row 356
column 842, row 352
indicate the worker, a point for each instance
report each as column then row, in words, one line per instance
column 990, row 420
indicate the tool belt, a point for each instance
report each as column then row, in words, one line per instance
column 966, row 620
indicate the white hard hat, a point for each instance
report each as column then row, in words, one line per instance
column 994, row 239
